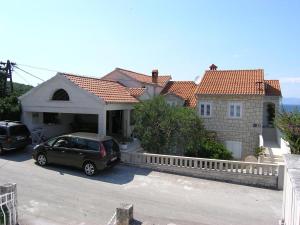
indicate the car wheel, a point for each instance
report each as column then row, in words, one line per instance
column 89, row 168
column 1, row 150
column 41, row 160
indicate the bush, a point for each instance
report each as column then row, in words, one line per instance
column 10, row 108
column 165, row 129
column 289, row 124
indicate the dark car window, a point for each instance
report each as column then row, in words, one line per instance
column 79, row 143
column 62, row 142
column 18, row 130
column 2, row 131
column 111, row 145
column 92, row 145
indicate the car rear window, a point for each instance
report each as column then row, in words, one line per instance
column 2, row 131
column 18, row 130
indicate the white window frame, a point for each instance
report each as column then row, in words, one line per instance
column 235, row 105
column 205, row 109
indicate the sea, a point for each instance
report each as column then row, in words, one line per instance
column 291, row 108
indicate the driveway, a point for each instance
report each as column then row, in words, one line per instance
column 59, row 195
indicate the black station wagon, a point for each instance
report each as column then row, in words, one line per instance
column 13, row 135
column 88, row 151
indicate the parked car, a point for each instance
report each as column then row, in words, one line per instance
column 13, row 135
column 82, row 150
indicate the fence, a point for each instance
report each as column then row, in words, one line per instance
column 8, row 205
column 255, row 174
column 291, row 191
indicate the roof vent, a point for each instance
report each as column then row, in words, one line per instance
column 213, row 67
column 154, row 76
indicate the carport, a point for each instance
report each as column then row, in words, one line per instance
column 70, row 103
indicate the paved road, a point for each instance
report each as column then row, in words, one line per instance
column 57, row 195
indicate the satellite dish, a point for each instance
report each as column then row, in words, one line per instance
column 197, row 79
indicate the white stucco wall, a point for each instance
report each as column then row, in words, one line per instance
column 81, row 102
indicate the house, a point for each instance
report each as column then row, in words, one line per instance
column 69, row 102
column 239, row 106
column 180, row 93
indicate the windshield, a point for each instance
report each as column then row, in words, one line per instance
column 18, row 130
column 50, row 142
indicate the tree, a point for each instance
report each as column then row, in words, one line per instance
column 289, row 124
column 165, row 129
column 9, row 106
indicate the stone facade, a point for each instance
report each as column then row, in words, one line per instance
column 245, row 129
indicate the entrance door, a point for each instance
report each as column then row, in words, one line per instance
column 235, row 147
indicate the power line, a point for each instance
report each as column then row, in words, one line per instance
column 29, row 73
column 26, row 81
column 38, row 68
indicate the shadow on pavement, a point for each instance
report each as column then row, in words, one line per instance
column 19, row 155
column 119, row 174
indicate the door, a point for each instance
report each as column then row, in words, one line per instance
column 235, row 147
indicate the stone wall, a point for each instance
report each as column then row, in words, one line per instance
column 245, row 129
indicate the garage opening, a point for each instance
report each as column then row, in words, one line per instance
column 54, row 124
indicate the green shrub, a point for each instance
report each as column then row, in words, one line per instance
column 289, row 124
column 259, row 151
column 165, row 129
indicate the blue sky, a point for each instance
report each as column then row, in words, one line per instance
column 181, row 38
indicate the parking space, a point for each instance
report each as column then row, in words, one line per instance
column 61, row 195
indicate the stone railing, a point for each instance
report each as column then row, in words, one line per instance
column 255, row 174
column 291, row 191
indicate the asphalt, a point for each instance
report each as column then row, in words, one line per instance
column 57, row 195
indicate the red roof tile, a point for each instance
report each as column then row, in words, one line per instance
column 183, row 89
column 272, row 88
column 109, row 91
column 136, row 92
column 232, row 82
column 162, row 80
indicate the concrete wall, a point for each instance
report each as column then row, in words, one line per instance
column 245, row 129
column 291, row 191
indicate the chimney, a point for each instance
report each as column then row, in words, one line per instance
column 213, row 67
column 154, row 76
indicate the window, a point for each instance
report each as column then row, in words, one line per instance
column 60, row 95
column 205, row 109
column 18, row 130
column 235, row 110
column 62, row 142
column 2, row 131
column 51, row 118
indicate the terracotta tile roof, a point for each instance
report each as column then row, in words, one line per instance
column 109, row 91
column 183, row 89
column 272, row 88
column 232, row 82
column 162, row 79
column 136, row 92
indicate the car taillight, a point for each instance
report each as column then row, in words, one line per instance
column 102, row 150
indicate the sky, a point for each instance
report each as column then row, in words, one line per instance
column 181, row 38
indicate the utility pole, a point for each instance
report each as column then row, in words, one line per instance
column 6, row 69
